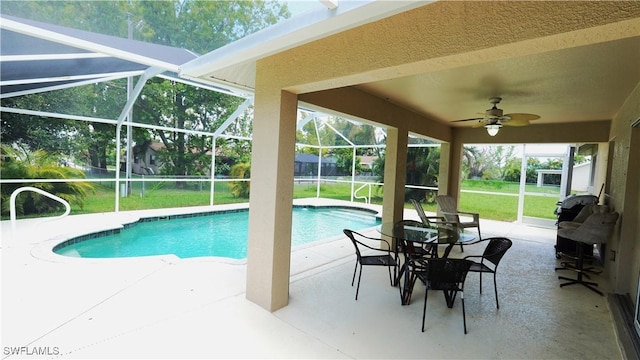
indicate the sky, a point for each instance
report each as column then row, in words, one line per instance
column 301, row 6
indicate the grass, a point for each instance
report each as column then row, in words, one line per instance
column 165, row 195
column 161, row 195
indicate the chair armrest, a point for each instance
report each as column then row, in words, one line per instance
column 388, row 249
column 476, row 242
column 443, row 221
column 476, row 216
column 440, row 218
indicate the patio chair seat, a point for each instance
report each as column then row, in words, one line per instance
column 442, row 274
column 383, row 257
column 490, row 259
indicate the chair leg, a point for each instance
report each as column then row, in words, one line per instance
column 395, row 276
column 480, row 282
column 424, row 308
column 401, row 293
column 358, row 287
column 495, row 289
column 464, row 317
column 409, row 284
column 353, row 279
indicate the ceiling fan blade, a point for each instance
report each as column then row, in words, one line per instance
column 521, row 116
column 472, row 119
column 480, row 124
column 516, row 122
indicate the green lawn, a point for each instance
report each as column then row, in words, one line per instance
column 165, row 195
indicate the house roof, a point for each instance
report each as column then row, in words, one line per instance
column 310, row 158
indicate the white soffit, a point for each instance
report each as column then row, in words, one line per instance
column 221, row 63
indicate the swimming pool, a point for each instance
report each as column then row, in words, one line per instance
column 221, row 234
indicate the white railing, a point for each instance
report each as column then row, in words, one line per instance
column 12, row 204
column 367, row 199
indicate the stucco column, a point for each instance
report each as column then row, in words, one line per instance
column 395, row 172
column 627, row 256
column 271, row 197
column 450, row 169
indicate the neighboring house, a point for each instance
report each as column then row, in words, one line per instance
column 307, row 165
column 150, row 162
column 582, row 178
column 366, row 164
column 147, row 163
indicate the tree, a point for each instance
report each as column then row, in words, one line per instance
column 309, row 135
column 344, row 161
column 203, row 26
column 513, row 171
column 171, row 104
column 486, row 162
column 240, row 189
column 423, row 167
column 22, row 163
column 100, row 100
column 357, row 134
column 199, row 26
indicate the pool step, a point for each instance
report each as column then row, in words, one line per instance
column 349, row 214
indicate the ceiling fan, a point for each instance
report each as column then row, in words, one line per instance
column 494, row 118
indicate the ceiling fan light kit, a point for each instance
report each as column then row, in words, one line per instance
column 493, row 129
column 494, row 118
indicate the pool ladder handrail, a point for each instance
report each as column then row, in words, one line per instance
column 367, row 200
column 12, row 204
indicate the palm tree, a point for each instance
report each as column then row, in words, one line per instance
column 21, row 163
column 240, row 188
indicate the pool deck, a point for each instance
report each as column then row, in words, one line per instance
column 165, row 307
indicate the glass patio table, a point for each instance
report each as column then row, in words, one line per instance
column 419, row 234
column 427, row 234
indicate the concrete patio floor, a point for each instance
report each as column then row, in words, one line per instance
column 164, row 307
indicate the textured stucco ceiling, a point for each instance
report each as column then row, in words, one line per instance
column 553, row 85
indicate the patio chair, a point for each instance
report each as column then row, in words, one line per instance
column 423, row 216
column 450, row 211
column 446, row 228
column 382, row 257
column 490, row 259
column 447, row 275
column 410, row 249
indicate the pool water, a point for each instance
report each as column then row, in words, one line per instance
column 221, row 234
